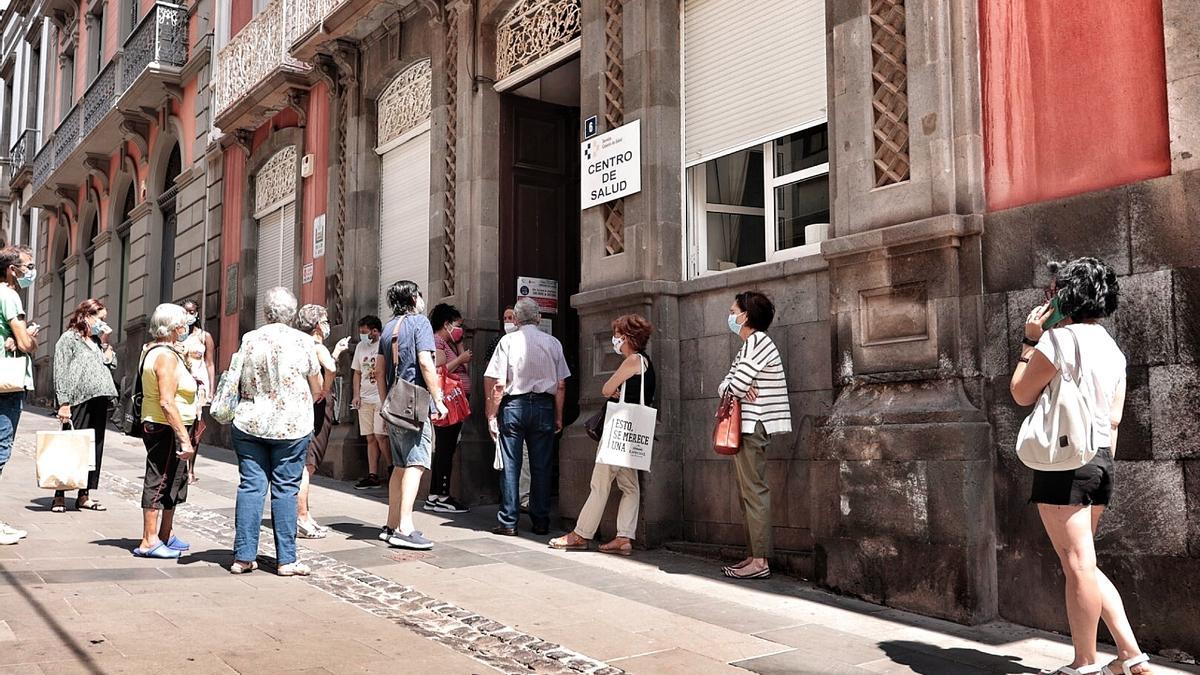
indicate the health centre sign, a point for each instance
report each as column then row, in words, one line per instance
column 610, row 165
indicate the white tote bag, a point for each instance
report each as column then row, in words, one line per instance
column 1057, row 434
column 64, row 458
column 628, row 438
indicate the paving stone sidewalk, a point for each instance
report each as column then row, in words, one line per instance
column 73, row 599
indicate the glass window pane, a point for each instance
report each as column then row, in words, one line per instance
column 801, row 150
column 735, row 240
column 736, row 179
column 798, row 205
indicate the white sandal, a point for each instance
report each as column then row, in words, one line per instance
column 239, row 567
column 295, row 569
column 1125, row 667
column 1094, row 669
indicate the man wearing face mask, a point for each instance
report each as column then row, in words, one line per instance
column 314, row 320
column 19, row 342
column 510, row 326
column 83, row 385
column 366, row 401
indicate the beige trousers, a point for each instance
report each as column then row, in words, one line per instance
column 750, row 463
column 593, row 509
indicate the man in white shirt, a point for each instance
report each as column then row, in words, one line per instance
column 526, row 386
column 366, row 400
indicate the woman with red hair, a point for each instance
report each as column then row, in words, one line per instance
column 84, row 387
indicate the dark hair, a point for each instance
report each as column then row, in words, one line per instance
column 443, row 314
column 402, row 296
column 77, row 321
column 635, row 328
column 199, row 319
column 759, row 309
column 371, row 321
column 11, row 255
column 1086, row 288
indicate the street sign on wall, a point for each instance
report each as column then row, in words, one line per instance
column 610, row 165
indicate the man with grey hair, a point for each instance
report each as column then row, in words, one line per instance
column 314, row 320
column 526, row 386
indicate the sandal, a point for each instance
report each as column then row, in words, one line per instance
column 239, row 567
column 737, row 573
column 615, row 548
column 1093, row 669
column 295, row 569
column 90, row 505
column 59, row 505
column 1140, row 659
column 570, row 542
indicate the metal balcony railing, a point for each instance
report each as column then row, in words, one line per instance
column 258, row 50
column 23, row 151
column 305, row 14
column 159, row 40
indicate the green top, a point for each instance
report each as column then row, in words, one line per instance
column 11, row 308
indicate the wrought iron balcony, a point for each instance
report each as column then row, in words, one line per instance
column 255, row 71
column 23, row 152
column 153, row 58
column 314, row 23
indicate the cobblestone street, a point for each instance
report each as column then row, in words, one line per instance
column 73, row 599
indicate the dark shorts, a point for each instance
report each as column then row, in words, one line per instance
column 322, row 425
column 1088, row 485
column 166, row 480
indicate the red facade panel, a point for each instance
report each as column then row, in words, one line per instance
column 1074, row 97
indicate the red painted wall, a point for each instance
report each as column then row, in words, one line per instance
column 231, row 248
column 315, row 192
column 1074, row 97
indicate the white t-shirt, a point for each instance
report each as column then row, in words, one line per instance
column 365, row 355
column 1103, row 369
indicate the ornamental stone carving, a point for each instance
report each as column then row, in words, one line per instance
column 405, row 103
column 532, row 29
column 276, row 180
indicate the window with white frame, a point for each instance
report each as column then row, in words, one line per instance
column 762, row 203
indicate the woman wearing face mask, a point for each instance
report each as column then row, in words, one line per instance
column 314, row 320
column 198, row 348
column 449, row 354
column 631, row 332
column 84, row 388
column 757, row 379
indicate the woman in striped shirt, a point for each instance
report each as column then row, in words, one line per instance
column 757, row 378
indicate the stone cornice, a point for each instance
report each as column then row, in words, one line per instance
column 947, row 228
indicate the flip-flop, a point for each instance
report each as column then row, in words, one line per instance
column 160, row 551
column 58, row 507
column 177, row 544
column 91, row 505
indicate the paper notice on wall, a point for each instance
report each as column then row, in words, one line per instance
column 307, row 273
column 542, row 291
column 319, row 236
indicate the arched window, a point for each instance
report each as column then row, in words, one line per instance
column 166, row 204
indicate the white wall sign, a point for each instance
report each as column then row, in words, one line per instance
column 542, row 291
column 610, row 165
column 307, row 273
column 319, row 236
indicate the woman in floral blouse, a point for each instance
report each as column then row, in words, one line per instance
column 83, row 385
column 272, row 427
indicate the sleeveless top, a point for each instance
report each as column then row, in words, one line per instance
column 633, row 383
column 185, row 390
column 195, row 348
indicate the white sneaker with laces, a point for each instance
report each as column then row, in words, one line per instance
column 5, row 528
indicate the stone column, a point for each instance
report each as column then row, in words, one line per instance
column 105, row 274
column 901, row 482
column 1181, row 26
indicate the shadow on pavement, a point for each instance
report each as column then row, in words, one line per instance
column 125, row 544
column 85, row 659
column 928, row 659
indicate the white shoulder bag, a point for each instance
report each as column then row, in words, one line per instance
column 1057, row 434
column 628, row 438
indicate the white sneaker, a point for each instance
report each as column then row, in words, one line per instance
column 8, row 539
column 5, row 528
column 309, row 530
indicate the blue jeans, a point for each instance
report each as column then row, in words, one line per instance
column 531, row 421
column 10, row 416
column 281, row 462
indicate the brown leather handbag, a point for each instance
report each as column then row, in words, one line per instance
column 727, row 433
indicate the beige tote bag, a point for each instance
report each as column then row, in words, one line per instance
column 64, row 458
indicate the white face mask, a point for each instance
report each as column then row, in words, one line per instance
column 617, row 343
column 510, row 327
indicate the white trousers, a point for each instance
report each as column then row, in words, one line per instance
column 593, row 509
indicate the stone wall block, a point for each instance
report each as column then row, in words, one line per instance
column 789, row 481
column 904, row 442
column 797, row 299
column 1174, row 400
column 960, row 507
column 691, row 317
column 996, row 331
column 1136, row 438
column 1191, row 487
column 810, row 356
column 1146, row 516
column 716, row 311
column 885, row 499
column 1020, row 304
column 1187, row 312
column 690, row 381
column 1158, row 219
column 1161, row 596
column 1182, row 95
column 713, row 365
column 706, row 491
column 1144, row 323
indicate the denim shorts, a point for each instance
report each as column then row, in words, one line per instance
column 411, row 448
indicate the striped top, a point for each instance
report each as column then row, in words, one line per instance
column 759, row 365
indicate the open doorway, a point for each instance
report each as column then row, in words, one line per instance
column 539, row 202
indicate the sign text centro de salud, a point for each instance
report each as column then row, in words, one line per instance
column 611, row 165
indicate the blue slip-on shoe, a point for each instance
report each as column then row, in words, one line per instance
column 160, row 550
column 177, row 544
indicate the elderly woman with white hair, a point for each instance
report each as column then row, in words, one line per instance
column 272, row 426
column 168, row 413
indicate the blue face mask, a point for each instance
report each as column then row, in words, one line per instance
column 734, row 326
column 26, row 280
column 98, row 328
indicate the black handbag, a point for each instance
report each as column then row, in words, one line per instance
column 594, row 426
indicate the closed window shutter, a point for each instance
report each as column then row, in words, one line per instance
column 404, row 217
column 752, row 71
column 276, row 255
